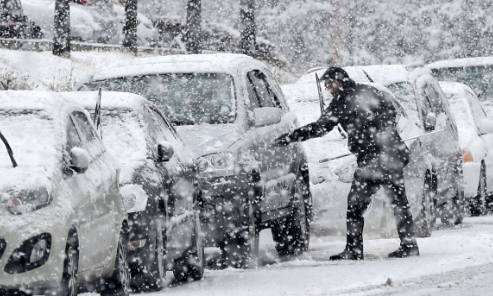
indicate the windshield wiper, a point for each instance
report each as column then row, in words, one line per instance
column 183, row 122
column 9, row 150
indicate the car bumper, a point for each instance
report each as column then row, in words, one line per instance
column 223, row 201
column 471, row 179
column 20, row 229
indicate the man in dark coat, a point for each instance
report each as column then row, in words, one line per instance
column 369, row 118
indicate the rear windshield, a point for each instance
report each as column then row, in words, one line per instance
column 187, row 99
column 480, row 79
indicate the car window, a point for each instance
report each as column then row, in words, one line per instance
column 254, row 100
column 161, row 126
column 405, row 95
column 476, row 108
column 84, row 125
column 434, row 99
column 267, row 97
column 73, row 140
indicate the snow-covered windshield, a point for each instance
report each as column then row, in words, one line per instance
column 31, row 135
column 123, row 135
column 480, row 79
column 187, row 99
column 404, row 92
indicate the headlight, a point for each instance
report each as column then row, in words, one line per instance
column 24, row 201
column 33, row 253
column 216, row 164
column 203, row 164
column 221, row 161
column 134, row 197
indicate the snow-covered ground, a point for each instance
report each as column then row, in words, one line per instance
column 453, row 261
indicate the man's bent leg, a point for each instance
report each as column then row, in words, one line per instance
column 404, row 221
column 357, row 203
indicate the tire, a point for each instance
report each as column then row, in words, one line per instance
column 68, row 285
column 477, row 205
column 425, row 222
column 190, row 267
column 119, row 283
column 292, row 234
column 151, row 278
column 242, row 250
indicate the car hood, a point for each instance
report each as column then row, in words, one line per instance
column 206, row 139
column 24, row 178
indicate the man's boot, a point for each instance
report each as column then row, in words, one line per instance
column 408, row 248
column 347, row 255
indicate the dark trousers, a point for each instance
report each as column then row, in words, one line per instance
column 359, row 198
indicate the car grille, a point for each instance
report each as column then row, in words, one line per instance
column 3, row 245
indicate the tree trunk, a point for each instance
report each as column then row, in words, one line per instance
column 193, row 39
column 61, row 29
column 248, row 42
column 130, row 27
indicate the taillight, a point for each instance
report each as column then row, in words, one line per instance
column 466, row 155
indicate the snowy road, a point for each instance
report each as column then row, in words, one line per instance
column 453, row 261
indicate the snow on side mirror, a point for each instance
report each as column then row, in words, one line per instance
column 431, row 121
column 164, row 151
column 486, row 126
column 267, row 116
column 80, row 159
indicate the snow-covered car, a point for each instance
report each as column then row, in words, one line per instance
column 159, row 185
column 417, row 173
column 91, row 21
column 15, row 24
column 477, row 73
column 63, row 225
column 476, row 141
column 228, row 108
column 424, row 101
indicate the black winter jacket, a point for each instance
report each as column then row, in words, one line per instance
column 369, row 118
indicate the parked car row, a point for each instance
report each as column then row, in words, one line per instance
column 102, row 194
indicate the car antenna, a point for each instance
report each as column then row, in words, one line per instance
column 9, row 150
column 97, row 113
column 368, row 76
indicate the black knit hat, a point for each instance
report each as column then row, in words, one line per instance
column 335, row 73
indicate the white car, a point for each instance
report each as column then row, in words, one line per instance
column 476, row 141
column 63, row 226
column 337, row 175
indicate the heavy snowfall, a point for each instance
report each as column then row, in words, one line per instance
column 169, row 147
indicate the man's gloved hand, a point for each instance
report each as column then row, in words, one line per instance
column 282, row 141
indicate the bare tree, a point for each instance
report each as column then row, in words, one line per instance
column 61, row 29
column 130, row 27
column 193, row 29
column 248, row 42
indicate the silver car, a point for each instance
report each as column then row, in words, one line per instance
column 63, row 227
column 228, row 108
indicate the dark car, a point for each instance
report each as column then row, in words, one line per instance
column 15, row 24
column 228, row 108
column 158, row 183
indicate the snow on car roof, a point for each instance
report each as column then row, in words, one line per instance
column 354, row 72
column 466, row 62
column 385, row 74
column 194, row 63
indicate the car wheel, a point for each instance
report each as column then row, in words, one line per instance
column 151, row 278
column 119, row 283
column 424, row 223
column 192, row 264
column 241, row 251
column 477, row 205
column 292, row 234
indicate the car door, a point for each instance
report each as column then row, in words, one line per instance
column 276, row 162
column 479, row 114
column 99, row 177
column 182, row 167
column 443, row 145
column 87, row 214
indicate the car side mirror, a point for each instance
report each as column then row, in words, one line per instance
column 485, row 126
column 266, row 116
column 165, row 151
column 79, row 159
column 430, row 121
